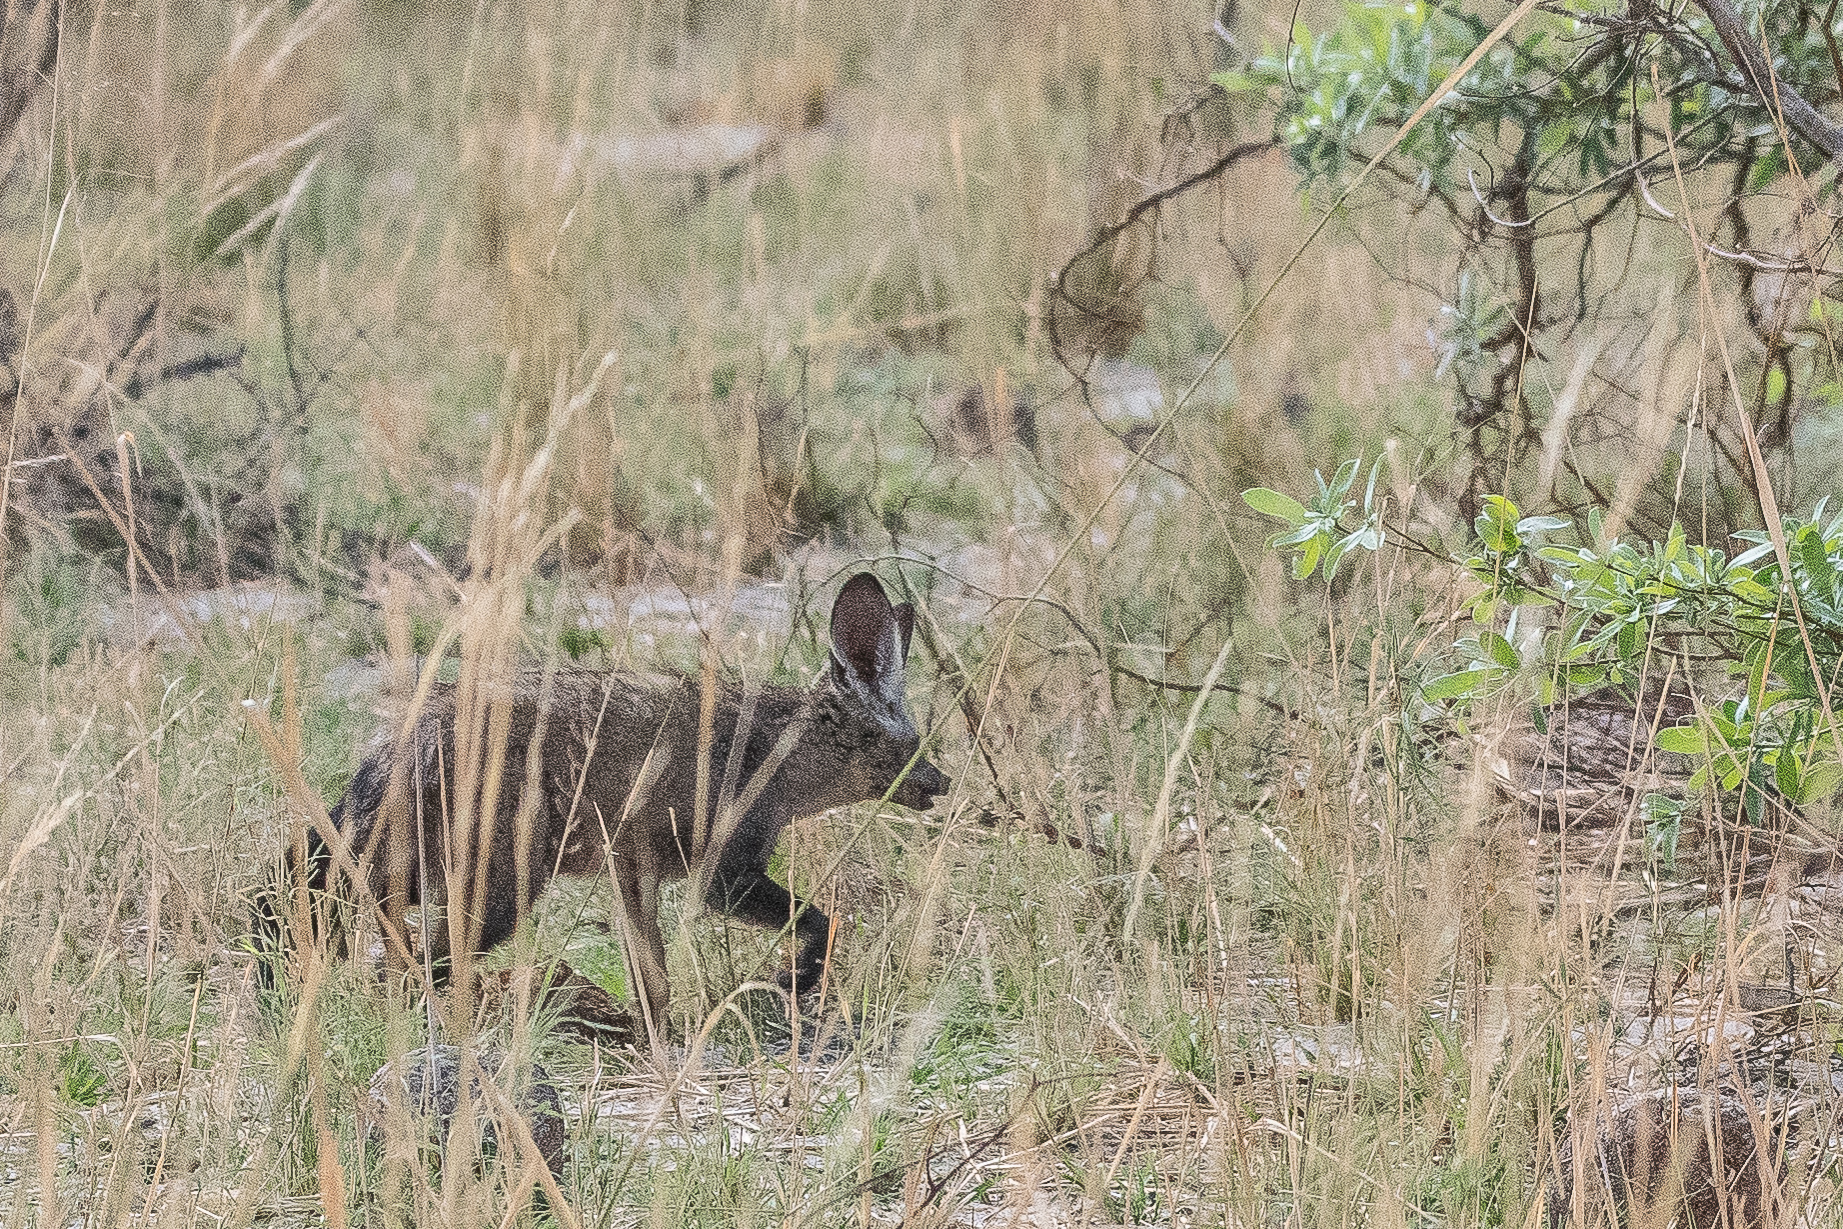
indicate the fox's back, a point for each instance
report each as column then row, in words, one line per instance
column 620, row 755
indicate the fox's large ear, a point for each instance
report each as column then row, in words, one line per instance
column 867, row 639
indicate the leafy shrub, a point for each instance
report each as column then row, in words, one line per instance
column 1617, row 610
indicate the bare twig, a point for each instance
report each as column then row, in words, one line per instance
column 1776, row 95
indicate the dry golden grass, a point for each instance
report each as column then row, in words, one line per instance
column 522, row 359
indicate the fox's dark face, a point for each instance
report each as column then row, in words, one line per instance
column 870, row 651
column 884, row 760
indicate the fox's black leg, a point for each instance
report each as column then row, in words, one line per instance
column 742, row 889
column 310, row 864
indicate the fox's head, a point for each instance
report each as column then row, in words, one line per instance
column 866, row 722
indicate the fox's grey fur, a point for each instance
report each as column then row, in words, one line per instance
column 618, row 778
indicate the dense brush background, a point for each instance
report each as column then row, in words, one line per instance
column 547, row 332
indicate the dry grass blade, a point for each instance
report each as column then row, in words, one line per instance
column 47, row 823
column 1157, row 832
column 253, row 169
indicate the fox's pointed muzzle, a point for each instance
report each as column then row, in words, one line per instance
column 921, row 787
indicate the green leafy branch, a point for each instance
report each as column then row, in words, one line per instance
column 1613, row 609
column 1316, row 531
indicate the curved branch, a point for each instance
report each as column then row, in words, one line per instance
column 1107, row 234
column 1645, row 189
column 1778, row 96
column 1215, row 169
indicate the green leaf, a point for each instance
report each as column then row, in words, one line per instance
column 1564, row 557
column 1346, row 474
column 1731, row 724
column 1775, row 384
column 1307, row 562
column 1297, row 536
column 1275, row 504
column 1497, row 525
column 1747, row 557
column 1754, row 798
column 1463, row 683
column 1575, row 652
column 1333, row 554
column 1683, row 739
column 1787, row 775
column 1817, row 561
column 1501, row 650
column 1821, row 781
column 1586, row 676
column 1663, row 826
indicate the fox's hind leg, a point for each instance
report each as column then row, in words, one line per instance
column 520, row 852
column 307, row 869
